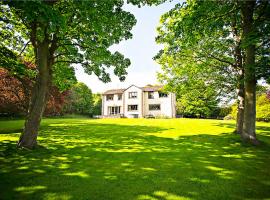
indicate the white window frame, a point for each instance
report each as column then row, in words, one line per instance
column 114, row 110
column 133, row 95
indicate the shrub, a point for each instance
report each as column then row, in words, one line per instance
column 162, row 117
column 79, row 100
column 228, row 117
column 263, row 108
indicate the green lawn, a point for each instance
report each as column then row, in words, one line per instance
column 134, row 159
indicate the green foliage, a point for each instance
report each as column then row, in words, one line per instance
column 79, row 100
column 145, row 2
column 16, row 67
column 263, row 108
column 200, row 101
column 198, row 54
column 200, row 39
column 260, row 89
column 224, row 111
column 97, row 104
column 63, row 76
column 78, row 32
column 134, row 159
column 261, row 36
column 233, row 113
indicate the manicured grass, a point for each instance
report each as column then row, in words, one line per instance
column 134, row 159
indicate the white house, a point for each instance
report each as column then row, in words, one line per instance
column 134, row 102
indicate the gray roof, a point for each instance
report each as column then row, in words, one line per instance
column 147, row 88
column 114, row 91
column 152, row 88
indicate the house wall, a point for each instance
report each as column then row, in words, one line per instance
column 167, row 105
column 114, row 102
column 174, row 104
column 137, row 101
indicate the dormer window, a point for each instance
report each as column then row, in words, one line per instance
column 119, row 97
column 150, row 95
column 109, row 97
column 162, row 94
column 132, row 95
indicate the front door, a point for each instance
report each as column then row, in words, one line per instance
column 114, row 110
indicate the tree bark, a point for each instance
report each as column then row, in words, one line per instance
column 240, row 77
column 28, row 138
column 249, row 125
column 240, row 104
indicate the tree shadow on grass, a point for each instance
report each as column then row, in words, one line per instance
column 110, row 161
column 260, row 129
column 19, row 130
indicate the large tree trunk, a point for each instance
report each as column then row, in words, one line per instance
column 249, row 126
column 240, row 76
column 28, row 138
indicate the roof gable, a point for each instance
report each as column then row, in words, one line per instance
column 152, row 88
column 114, row 91
column 147, row 88
column 132, row 86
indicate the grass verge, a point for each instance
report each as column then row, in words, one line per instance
column 140, row 159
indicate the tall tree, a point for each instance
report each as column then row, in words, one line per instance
column 201, row 101
column 57, row 32
column 213, row 33
column 255, row 24
column 97, row 104
column 201, row 40
column 247, row 11
column 79, row 100
column 15, row 92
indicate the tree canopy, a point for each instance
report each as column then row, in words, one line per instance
column 223, row 43
column 79, row 100
column 78, row 32
column 56, row 34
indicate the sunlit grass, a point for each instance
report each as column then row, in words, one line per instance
column 134, row 159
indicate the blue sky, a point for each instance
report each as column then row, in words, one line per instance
column 140, row 50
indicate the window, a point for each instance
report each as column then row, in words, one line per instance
column 119, row 97
column 132, row 107
column 132, row 95
column 113, row 110
column 162, row 94
column 109, row 97
column 150, row 95
column 154, row 107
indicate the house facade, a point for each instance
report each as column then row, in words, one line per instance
column 137, row 102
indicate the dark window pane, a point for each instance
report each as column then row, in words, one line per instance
column 119, row 96
column 162, row 94
column 154, row 107
column 132, row 107
column 114, row 110
column 150, row 95
column 109, row 97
